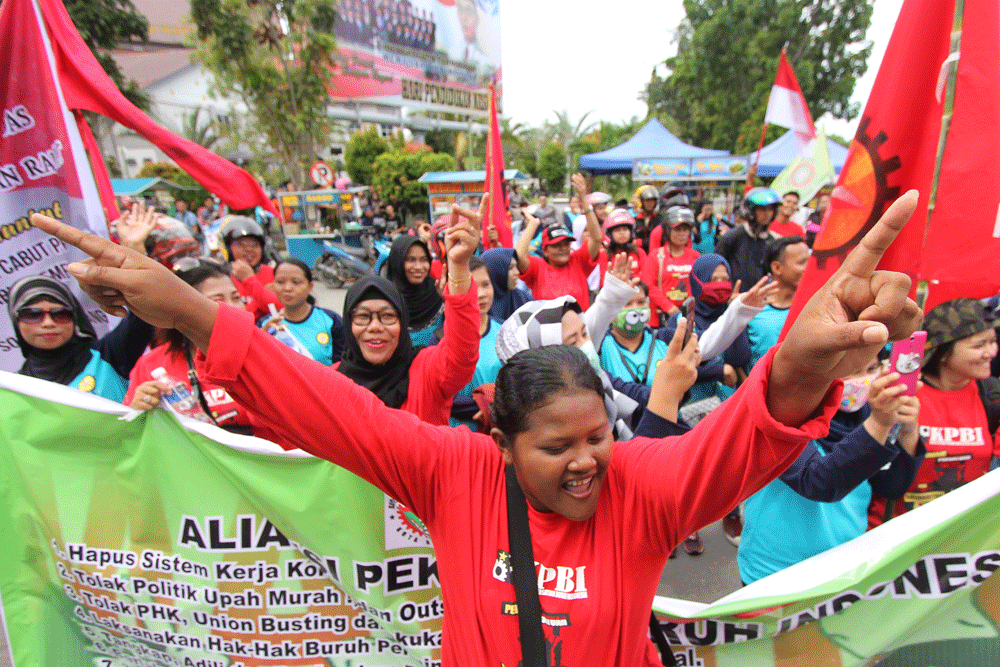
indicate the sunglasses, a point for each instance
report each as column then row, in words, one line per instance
column 59, row 315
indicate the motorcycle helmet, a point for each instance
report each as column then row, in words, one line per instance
column 237, row 227
column 617, row 218
column 672, row 194
column 169, row 241
column 760, row 197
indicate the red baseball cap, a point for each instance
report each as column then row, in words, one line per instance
column 555, row 234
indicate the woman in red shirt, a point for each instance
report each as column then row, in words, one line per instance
column 666, row 270
column 619, row 227
column 593, row 508
column 961, row 343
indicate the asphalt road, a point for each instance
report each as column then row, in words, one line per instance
column 704, row 578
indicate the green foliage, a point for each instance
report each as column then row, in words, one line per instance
column 360, row 154
column 276, row 56
column 204, row 134
column 552, row 167
column 171, row 172
column 396, row 173
column 105, row 24
column 718, row 84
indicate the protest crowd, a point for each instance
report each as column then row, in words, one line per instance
column 653, row 325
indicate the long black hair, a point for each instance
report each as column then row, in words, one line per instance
column 531, row 377
column 194, row 271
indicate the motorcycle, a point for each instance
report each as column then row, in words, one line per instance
column 336, row 267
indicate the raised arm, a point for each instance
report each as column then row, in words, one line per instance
column 524, row 242
column 593, row 230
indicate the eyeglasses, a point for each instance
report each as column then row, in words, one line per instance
column 362, row 318
column 59, row 315
column 185, row 264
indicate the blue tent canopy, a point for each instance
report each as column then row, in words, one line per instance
column 466, row 176
column 652, row 141
column 136, row 186
column 782, row 151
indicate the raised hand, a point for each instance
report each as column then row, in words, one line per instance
column 675, row 373
column 621, row 268
column 117, row 277
column 464, row 229
column 845, row 322
column 134, row 226
column 758, row 295
column 580, row 185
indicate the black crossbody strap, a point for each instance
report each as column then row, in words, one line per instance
column 196, row 383
column 529, row 609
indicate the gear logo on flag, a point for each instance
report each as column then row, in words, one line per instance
column 403, row 529
column 861, row 196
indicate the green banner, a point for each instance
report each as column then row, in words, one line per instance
column 807, row 175
column 152, row 542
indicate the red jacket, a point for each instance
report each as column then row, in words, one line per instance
column 655, row 494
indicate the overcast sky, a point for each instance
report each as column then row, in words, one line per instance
column 590, row 56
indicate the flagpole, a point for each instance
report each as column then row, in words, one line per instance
column 948, row 108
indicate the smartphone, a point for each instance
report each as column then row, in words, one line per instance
column 907, row 356
column 688, row 307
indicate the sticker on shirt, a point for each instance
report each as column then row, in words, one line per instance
column 941, row 436
column 87, row 383
column 403, row 530
column 322, row 338
column 565, row 583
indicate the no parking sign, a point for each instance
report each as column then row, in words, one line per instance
column 321, row 174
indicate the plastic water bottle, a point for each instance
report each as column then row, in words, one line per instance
column 179, row 397
column 281, row 332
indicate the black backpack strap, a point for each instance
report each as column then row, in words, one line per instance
column 529, row 609
column 660, row 639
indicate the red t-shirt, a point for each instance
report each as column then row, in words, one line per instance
column 255, row 290
column 548, row 282
column 638, row 261
column 959, row 448
column 786, row 229
column 670, row 287
column 596, row 601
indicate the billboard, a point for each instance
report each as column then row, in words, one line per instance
column 434, row 55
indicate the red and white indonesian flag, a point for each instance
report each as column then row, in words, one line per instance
column 787, row 106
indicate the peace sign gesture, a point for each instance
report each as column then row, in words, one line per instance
column 845, row 322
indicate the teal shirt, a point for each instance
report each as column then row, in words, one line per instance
column 763, row 331
column 99, row 377
column 487, row 368
column 314, row 333
column 783, row 528
column 631, row 366
column 423, row 336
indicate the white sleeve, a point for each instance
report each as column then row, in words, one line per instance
column 722, row 332
column 579, row 227
column 611, row 299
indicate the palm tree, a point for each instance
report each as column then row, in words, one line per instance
column 567, row 133
column 204, row 135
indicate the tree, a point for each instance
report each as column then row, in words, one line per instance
column 171, row 172
column 360, row 153
column 276, row 56
column 203, row 134
column 106, row 24
column 717, row 86
column 396, row 173
column 552, row 167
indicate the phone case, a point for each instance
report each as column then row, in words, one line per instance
column 906, row 358
column 688, row 305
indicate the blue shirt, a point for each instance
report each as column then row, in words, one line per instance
column 99, row 377
column 632, row 366
column 763, row 331
column 487, row 368
column 322, row 333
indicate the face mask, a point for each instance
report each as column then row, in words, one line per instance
column 588, row 349
column 631, row 320
column 716, row 293
column 855, row 393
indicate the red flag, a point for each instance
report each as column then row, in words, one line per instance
column 896, row 148
column 43, row 167
column 86, row 86
column 497, row 212
column 787, row 106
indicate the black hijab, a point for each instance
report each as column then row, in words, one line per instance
column 422, row 301
column 389, row 381
column 64, row 363
column 505, row 301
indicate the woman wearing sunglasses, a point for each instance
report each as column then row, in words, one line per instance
column 59, row 343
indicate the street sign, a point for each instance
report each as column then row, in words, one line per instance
column 321, row 174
